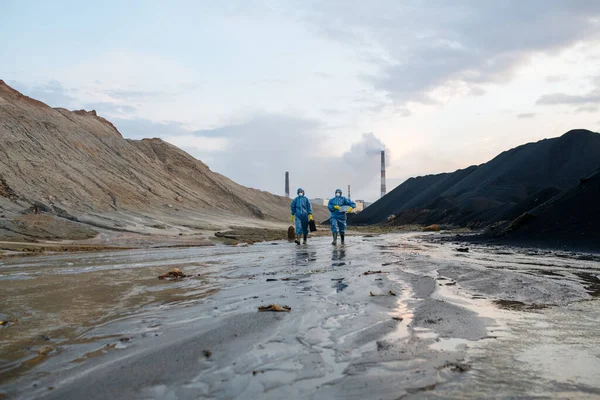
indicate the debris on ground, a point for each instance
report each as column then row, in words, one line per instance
column 382, row 345
column 291, row 233
column 518, row 305
column 457, row 367
column 271, row 279
column 207, row 353
column 45, row 350
column 275, row 308
column 399, row 319
column 463, row 249
column 432, row 228
column 372, row 272
column 389, row 293
column 7, row 323
column 174, row 274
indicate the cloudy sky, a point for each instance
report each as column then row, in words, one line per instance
column 256, row 88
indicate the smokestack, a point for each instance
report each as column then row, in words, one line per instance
column 349, row 192
column 383, row 190
column 287, row 184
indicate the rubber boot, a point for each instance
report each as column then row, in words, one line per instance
column 297, row 241
column 342, row 237
column 334, row 239
column 305, row 238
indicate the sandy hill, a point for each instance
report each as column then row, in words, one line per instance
column 500, row 189
column 77, row 166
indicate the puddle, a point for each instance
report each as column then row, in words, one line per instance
column 339, row 285
column 82, row 305
column 452, row 344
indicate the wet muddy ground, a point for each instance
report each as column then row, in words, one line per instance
column 384, row 317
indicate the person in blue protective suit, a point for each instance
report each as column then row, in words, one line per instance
column 301, row 214
column 339, row 207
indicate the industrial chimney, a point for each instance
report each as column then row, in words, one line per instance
column 383, row 190
column 287, row 184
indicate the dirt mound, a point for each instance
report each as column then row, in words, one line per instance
column 45, row 227
column 534, row 200
column 570, row 220
column 414, row 193
column 79, row 163
column 502, row 188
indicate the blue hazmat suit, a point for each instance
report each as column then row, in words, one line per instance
column 301, row 208
column 338, row 218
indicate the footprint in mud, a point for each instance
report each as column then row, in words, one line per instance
column 339, row 284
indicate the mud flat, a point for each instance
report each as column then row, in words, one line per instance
column 250, row 233
column 386, row 316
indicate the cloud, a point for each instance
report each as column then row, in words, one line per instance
column 52, row 93
column 133, row 94
column 369, row 146
column 586, row 102
column 358, row 66
column 556, row 78
column 476, row 91
column 587, row 109
column 592, row 97
column 202, row 144
column 332, row 111
column 55, row 94
column 143, row 128
column 105, row 108
column 525, row 115
column 423, row 46
column 324, row 75
column 403, row 112
column 258, row 151
column 126, row 71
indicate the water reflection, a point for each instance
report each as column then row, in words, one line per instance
column 305, row 254
column 338, row 256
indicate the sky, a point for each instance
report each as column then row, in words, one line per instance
column 317, row 88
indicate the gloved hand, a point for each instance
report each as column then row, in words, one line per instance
column 292, row 218
column 349, row 209
column 310, row 217
column 337, row 207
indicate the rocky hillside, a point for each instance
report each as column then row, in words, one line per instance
column 76, row 165
column 501, row 189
